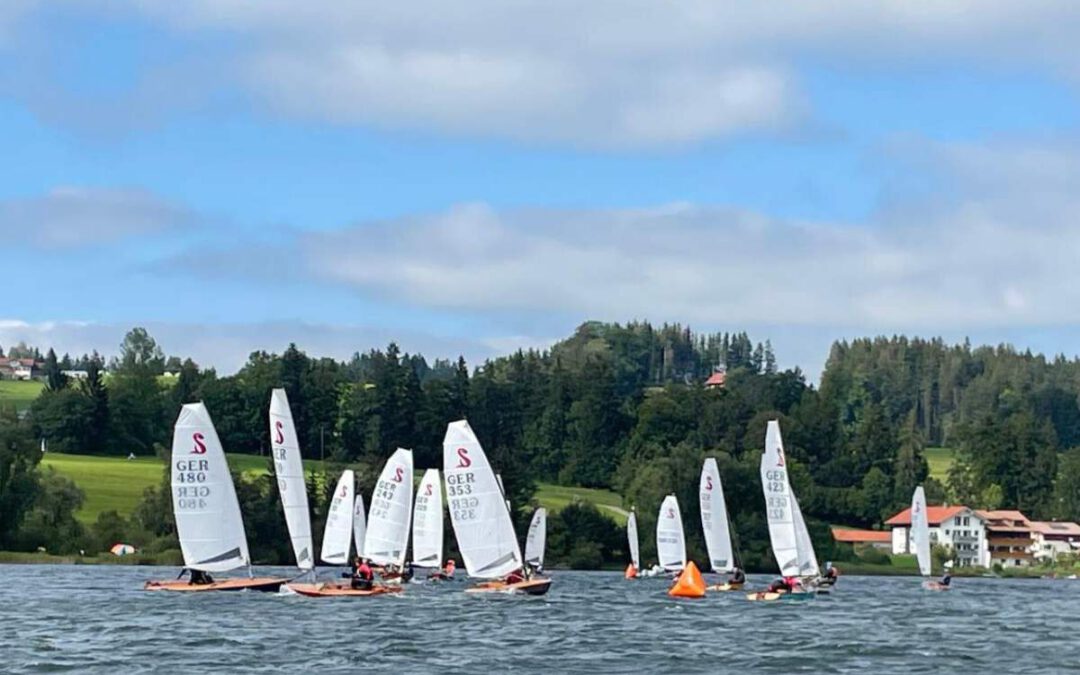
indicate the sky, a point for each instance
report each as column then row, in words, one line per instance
column 474, row 178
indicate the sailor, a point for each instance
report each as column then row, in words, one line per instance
column 200, row 578
column 737, row 577
column 514, row 577
column 831, row 573
column 946, row 579
column 362, row 575
column 448, row 569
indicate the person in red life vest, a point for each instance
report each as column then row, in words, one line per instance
column 448, row 569
column 514, row 577
column 362, row 576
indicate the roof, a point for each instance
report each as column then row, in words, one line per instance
column 716, row 379
column 934, row 515
column 860, row 536
column 1015, row 516
column 1067, row 529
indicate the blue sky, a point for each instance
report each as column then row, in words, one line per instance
column 476, row 178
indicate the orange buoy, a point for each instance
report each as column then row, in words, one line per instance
column 631, row 572
column 689, row 584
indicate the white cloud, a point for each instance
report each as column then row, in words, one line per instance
column 599, row 74
column 69, row 217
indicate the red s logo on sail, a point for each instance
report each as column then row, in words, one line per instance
column 200, row 446
column 397, row 475
column 427, row 493
column 344, row 491
column 280, row 438
column 671, row 513
column 463, row 459
column 708, row 482
column 779, row 457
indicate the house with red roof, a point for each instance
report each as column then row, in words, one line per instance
column 717, row 380
column 879, row 539
column 1009, row 538
column 957, row 527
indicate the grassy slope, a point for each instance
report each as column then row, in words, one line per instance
column 940, row 459
column 18, row 393
column 115, row 483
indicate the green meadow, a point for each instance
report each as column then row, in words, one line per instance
column 18, row 393
column 117, row 484
column 940, row 460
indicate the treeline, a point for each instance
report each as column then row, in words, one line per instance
column 621, row 407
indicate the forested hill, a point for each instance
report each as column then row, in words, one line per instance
column 615, row 406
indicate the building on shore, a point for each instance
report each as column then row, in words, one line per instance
column 1054, row 539
column 1009, row 538
column 957, row 527
column 878, row 539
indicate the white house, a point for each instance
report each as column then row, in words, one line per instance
column 957, row 527
column 1054, row 539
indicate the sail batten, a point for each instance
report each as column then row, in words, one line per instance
column 670, row 538
column 390, row 516
column 208, row 520
column 428, row 521
column 289, row 470
column 714, row 518
column 338, row 532
column 478, row 511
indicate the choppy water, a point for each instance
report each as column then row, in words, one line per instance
column 97, row 619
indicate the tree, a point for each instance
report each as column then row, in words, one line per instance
column 55, row 380
column 140, row 352
column 19, row 456
column 51, row 523
column 1066, row 502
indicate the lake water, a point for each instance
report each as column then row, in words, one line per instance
column 97, row 619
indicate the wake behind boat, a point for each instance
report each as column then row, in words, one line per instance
column 208, row 520
column 481, row 519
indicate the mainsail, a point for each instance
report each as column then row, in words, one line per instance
column 778, row 502
column 359, row 524
column 289, row 469
column 391, row 512
column 338, row 533
column 714, row 518
column 428, row 522
column 632, row 539
column 208, row 520
column 920, row 530
column 670, row 541
column 482, row 525
column 536, row 538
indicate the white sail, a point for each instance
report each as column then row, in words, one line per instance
column 428, row 522
column 920, row 530
column 359, row 524
column 391, row 512
column 670, row 540
column 208, row 520
column 482, row 525
column 338, row 533
column 778, row 502
column 536, row 539
column 714, row 518
column 289, row 469
column 632, row 539
column 808, row 564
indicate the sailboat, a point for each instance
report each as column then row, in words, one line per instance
column 208, row 520
column 670, row 539
column 536, row 540
column 481, row 519
column 781, row 509
column 716, row 525
column 390, row 517
column 920, row 539
column 337, row 541
column 634, row 567
column 289, row 469
column 428, row 525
